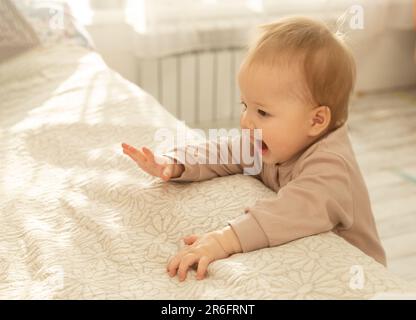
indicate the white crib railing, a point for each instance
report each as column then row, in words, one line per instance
column 198, row 87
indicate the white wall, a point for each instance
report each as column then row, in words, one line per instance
column 114, row 43
column 384, row 61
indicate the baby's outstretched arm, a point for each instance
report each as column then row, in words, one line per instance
column 158, row 166
column 203, row 250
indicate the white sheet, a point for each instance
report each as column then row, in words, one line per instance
column 79, row 220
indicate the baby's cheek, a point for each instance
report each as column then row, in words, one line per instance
column 278, row 150
column 275, row 144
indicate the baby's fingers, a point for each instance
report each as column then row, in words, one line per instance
column 149, row 155
column 190, row 239
column 133, row 153
column 156, row 164
column 149, row 162
column 202, row 267
column 173, row 264
column 187, row 261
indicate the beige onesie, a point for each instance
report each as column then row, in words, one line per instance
column 321, row 189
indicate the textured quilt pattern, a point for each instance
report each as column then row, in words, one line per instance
column 79, row 220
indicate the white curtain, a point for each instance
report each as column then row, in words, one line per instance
column 165, row 27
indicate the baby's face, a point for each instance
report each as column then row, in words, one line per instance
column 271, row 102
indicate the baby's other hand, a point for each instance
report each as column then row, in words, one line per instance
column 200, row 250
column 158, row 166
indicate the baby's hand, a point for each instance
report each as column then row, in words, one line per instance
column 158, row 166
column 201, row 250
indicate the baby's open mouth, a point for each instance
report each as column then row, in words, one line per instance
column 260, row 144
column 264, row 147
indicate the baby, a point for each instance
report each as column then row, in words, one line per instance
column 295, row 83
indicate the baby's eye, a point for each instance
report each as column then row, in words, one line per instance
column 244, row 106
column 262, row 113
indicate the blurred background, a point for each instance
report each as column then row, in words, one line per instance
column 186, row 54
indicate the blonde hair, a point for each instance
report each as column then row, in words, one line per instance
column 328, row 66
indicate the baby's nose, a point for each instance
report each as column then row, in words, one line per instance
column 247, row 124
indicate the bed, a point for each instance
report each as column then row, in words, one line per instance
column 78, row 220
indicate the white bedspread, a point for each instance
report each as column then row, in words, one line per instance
column 79, row 220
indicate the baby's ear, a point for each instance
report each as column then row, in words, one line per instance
column 320, row 120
